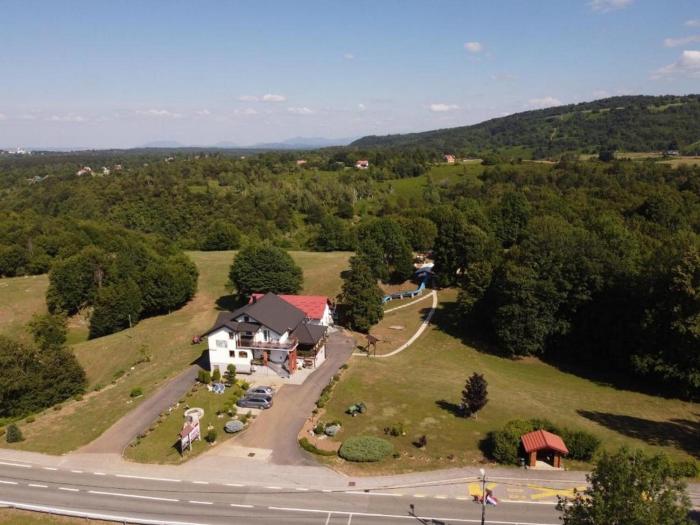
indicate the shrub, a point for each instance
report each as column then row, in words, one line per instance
column 310, row 447
column 136, row 392
column 686, row 469
column 14, row 434
column 211, row 436
column 365, row 449
column 582, row 445
column 245, row 385
column 204, row 377
column 216, row 375
column 395, row 430
column 501, row 446
column 30, row 419
column 79, row 397
column 421, row 442
column 57, row 407
column 118, row 374
column 231, row 374
column 98, row 387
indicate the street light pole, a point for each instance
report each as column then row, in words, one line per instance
column 483, row 495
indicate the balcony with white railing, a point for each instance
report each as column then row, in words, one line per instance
column 250, row 342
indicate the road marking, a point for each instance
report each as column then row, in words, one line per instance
column 524, row 502
column 419, row 495
column 440, row 497
column 69, row 489
column 147, row 478
column 349, row 519
column 99, row 474
column 361, row 493
column 241, row 505
column 15, row 465
column 91, row 515
column 77, row 471
column 302, row 489
column 195, row 502
column 274, row 488
column 234, row 485
column 37, row 485
column 50, row 468
column 462, row 498
column 403, row 516
column 8, row 482
column 328, row 519
column 201, row 482
column 326, row 490
column 135, row 496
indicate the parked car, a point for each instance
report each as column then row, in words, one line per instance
column 261, row 390
column 254, row 402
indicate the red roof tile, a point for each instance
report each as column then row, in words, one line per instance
column 313, row 306
column 541, row 440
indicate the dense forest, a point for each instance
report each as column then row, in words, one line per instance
column 630, row 123
column 593, row 265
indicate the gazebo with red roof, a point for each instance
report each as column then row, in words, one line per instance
column 545, row 445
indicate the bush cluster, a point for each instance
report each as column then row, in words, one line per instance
column 310, row 447
column 14, row 434
column 365, row 449
column 505, row 447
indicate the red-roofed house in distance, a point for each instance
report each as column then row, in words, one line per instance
column 362, row 164
column 316, row 307
column 450, row 159
column 544, row 449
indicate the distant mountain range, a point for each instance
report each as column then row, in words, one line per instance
column 631, row 123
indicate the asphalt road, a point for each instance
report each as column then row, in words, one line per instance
column 277, row 428
column 202, row 501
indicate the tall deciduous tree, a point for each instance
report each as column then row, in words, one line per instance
column 361, row 297
column 629, row 488
column 265, row 268
column 49, row 330
column 474, row 395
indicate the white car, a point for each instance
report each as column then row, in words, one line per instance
column 260, row 391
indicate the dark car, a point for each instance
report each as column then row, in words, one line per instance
column 254, row 402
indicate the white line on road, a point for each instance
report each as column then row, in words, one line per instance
column 302, row 489
column 50, row 468
column 201, row 482
column 69, row 489
column 21, row 465
column 274, row 488
column 234, row 485
column 440, row 497
column 37, row 485
column 362, row 493
column 195, row 502
column 8, row 482
column 147, row 478
column 136, row 496
column 99, row 474
column 402, row 516
column 241, row 505
column 328, row 519
column 77, row 471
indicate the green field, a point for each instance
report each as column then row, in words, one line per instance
column 22, row 517
column 20, row 298
column 152, row 352
column 421, row 388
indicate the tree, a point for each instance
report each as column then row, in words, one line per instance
column 361, row 297
column 117, row 306
column 221, row 235
column 606, row 155
column 474, row 395
column 230, row 374
column 216, row 375
column 629, row 488
column 265, row 268
column 511, row 218
column 14, row 434
column 48, row 330
column 74, row 281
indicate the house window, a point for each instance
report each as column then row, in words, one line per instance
column 231, row 335
column 220, row 343
column 232, row 354
column 243, row 355
column 266, row 335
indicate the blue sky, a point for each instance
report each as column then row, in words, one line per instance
column 123, row 73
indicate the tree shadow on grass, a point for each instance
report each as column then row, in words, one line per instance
column 452, row 408
column 228, row 303
column 679, row 433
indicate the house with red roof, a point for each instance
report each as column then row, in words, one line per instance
column 316, row 307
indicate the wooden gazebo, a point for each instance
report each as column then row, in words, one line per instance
column 544, row 446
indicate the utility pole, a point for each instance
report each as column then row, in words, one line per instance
column 483, row 495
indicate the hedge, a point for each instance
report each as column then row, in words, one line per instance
column 365, row 449
column 310, row 447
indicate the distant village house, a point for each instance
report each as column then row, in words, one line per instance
column 362, row 164
column 450, row 159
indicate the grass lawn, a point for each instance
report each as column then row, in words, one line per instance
column 23, row 517
column 421, row 388
column 161, row 444
column 20, row 298
column 151, row 353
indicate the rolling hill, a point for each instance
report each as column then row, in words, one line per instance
column 630, row 123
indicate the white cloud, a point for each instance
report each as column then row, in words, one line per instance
column 273, row 98
column 675, row 42
column 693, row 23
column 66, row 118
column 301, row 111
column 203, row 112
column 473, row 47
column 687, row 65
column 159, row 113
column 442, row 108
column 361, row 107
column 544, row 102
column 349, row 56
column 605, row 6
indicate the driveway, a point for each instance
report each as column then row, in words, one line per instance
column 277, row 428
column 117, row 437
